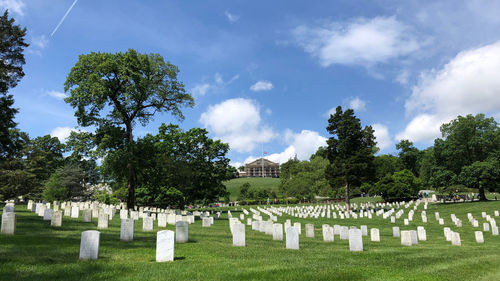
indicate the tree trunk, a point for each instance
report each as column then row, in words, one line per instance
column 130, row 167
column 482, row 196
column 347, row 201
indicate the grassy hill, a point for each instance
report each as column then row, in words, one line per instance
column 233, row 186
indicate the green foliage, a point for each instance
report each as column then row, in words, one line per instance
column 66, row 183
column 12, row 45
column 409, row 156
column 350, row 151
column 113, row 90
column 468, row 146
column 483, row 175
column 401, row 184
column 54, row 189
column 106, row 198
column 244, row 189
column 386, row 164
column 187, row 161
column 305, row 179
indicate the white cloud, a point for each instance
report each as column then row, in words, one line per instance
column 237, row 122
column 231, row 17
column 422, row 128
column 40, row 41
column 217, row 84
column 360, row 42
column 57, row 95
column 200, row 89
column 262, row 86
column 14, row 6
column 403, row 77
column 302, row 145
column 357, row 104
column 468, row 84
column 382, row 136
column 62, row 133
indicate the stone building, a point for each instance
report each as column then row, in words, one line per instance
column 254, row 169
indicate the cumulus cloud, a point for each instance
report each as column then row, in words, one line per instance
column 382, row 136
column 57, row 95
column 357, row 104
column 237, row 122
column 361, row 41
column 262, row 86
column 14, row 6
column 302, row 145
column 232, row 18
column 468, row 84
column 62, row 133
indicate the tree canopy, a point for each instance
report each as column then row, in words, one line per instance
column 350, row 151
column 12, row 45
column 118, row 90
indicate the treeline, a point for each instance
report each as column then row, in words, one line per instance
column 465, row 159
column 111, row 93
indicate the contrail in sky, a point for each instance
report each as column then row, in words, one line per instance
column 63, row 18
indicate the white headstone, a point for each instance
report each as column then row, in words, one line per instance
column 162, row 220
column 123, row 214
column 328, row 233
column 310, row 230
column 298, row 226
column 75, row 212
column 147, row 224
column 89, row 245
column 165, row 246
column 127, row 230
column 494, row 230
column 395, row 231
column 422, row 234
column 239, row 235
column 344, row 233
column 479, row 236
column 56, row 220
column 375, row 235
column 364, row 230
column 8, row 223
column 47, row 214
column 355, row 240
column 205, row 222
column 102, row 220
column 455, row 239
column 292, row 238
column 406, row 238
column 278, row 231
column 486, row 226
column 87, row 215
column 447, row 233
column 181, row 232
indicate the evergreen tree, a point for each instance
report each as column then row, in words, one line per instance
column 350, row 151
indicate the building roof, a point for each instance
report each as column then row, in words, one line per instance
column 258, row 163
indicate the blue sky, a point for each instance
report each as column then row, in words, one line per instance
column 265, row 74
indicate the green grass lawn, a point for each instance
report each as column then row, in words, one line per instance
column 40, row 252
column 233, row 186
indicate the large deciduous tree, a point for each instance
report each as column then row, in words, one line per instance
column 467, row 148
column 350, row 151
column 122, row 89
column 177, row 168
column 11, row 71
